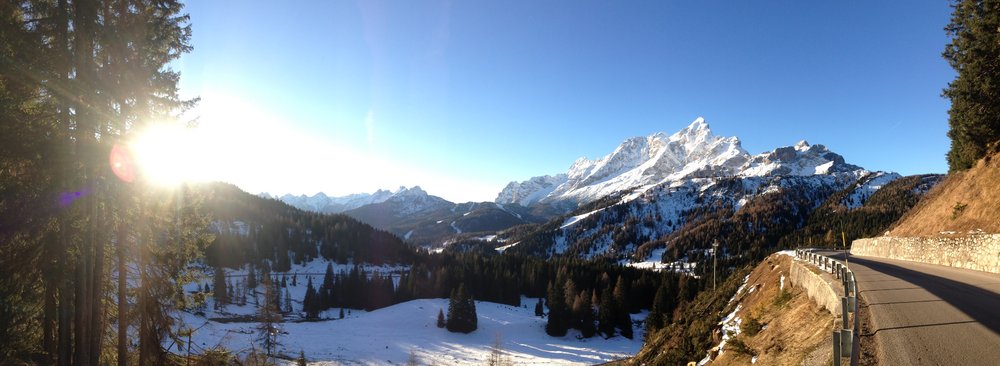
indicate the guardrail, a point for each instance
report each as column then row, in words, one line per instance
column 847, row 339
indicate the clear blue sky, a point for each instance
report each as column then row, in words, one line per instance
column 462, row 97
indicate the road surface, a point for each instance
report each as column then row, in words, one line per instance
column 925, row 314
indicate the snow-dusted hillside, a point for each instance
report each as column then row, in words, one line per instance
column 389, row 335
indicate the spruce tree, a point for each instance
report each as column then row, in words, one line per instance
column 288, row 301
column 461, row 312
column 309, row 301
column 251, row 278
column 584, row 313
column 221, row 294
column 557, row 323
column 974, row 117
column 623, row 320
column 606, row 314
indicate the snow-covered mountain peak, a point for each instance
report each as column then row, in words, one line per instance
column 641, row 161
column 698, row 129
column 801, row 159
column 802, row 145
column 416, row 191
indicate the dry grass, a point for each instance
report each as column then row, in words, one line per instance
column 797, row 330
column 964, row 202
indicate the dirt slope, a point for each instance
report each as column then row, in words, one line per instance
column 794, row 330
column 966, row 202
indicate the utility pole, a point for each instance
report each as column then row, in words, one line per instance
column 847, row 253
column 715, row 248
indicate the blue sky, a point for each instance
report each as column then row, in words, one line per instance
column 462, row 97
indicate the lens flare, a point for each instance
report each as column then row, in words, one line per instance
column 122, row 163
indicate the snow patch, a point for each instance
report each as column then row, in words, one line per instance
column 388, row 335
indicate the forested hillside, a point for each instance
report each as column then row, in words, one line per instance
column 250, row 229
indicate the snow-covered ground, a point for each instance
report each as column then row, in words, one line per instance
column 388, row 336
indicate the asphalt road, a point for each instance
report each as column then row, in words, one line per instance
column 924, row 314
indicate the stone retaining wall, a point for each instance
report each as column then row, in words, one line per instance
column 977, row 252
column 818, row 286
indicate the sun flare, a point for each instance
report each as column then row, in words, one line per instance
column 166, row 154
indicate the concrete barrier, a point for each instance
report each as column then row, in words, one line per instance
column 976, row 252
column 819, row 289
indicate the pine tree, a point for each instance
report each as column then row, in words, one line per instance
column 309, row 304
column 461, row 312
column 606, row 314
column 623, row 320
column 974, row 117
column 663, row 308
column 288, row 302
column 221, row 293
column 583, row 311
column 251, row 278
column 557, row 323
column 269, row 318
column 326, row 290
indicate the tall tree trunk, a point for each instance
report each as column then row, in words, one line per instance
column 64, row 264
column 122, row 288
column 96, row 291
column 83, row 31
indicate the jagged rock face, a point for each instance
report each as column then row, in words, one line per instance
column 530, row 191
column 799, row 160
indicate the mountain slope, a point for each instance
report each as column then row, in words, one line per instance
column 966, row 202
column 431, row 221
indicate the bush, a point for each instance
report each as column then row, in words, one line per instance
column 751, row 326
column 783, row 298
column 737, row 345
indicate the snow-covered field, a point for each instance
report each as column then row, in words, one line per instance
column 388, row 336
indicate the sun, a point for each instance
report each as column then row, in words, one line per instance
column 167, row 154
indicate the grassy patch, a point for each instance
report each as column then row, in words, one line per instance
column 958, row 209
column 751, row 326
column 784, row 296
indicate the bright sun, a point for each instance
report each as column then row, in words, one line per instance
column 166, row 154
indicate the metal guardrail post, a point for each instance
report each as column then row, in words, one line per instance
column 845, row 313
column 846, row 336
column 836, row 348
column 847, row 282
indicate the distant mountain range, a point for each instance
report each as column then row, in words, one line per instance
column 644, row 162
column 416, row 216
column 657, row 179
